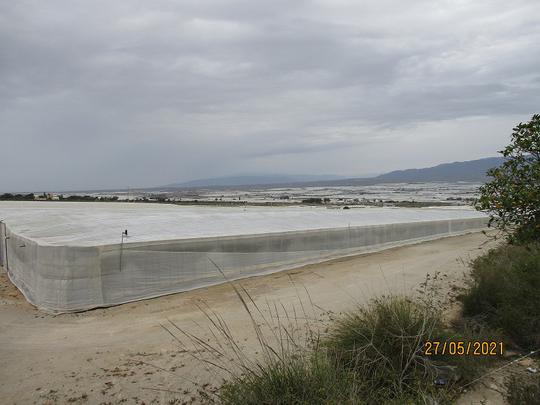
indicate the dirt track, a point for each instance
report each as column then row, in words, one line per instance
column 122, row 354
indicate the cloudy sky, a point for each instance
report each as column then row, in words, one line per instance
column 106, row 94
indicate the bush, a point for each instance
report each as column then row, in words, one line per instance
column 383, row 344
column 505, row 292
column 292, row 381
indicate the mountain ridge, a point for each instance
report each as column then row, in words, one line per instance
column 467, row 171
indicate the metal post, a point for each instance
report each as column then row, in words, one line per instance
column 124, row 235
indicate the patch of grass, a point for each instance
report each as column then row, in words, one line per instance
column 383, row 343
column 521, row 391
column 504, row 292
column 295, row 380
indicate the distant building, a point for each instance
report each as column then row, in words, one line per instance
column 46, row 197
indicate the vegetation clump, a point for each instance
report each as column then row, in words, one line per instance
column 17, row 197
column 383, row 344
column 293, row 380
column 505, row 292
column 312, row 200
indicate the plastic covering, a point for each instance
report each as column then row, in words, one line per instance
column 3, row 242
column 64, row 278
column 95, row 224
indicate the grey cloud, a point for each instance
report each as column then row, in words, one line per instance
column 104, row 94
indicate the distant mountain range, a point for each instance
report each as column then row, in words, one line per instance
column 468, row 171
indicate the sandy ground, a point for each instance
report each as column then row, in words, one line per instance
column 122, row 354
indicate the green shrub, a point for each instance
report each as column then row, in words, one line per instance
column 382, row 343
column 505, row 292
column 295, row 380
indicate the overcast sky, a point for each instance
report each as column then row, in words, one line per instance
column 110, row 94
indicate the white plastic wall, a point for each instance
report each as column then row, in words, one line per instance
column 2, row 244
column 70, row 278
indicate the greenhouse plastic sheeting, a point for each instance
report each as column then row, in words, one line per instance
column 59, row 278
column 2, row 244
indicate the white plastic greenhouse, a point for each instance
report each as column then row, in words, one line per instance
column 67, row 256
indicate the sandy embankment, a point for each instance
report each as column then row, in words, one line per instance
column 95, row 357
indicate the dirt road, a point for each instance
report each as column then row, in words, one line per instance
column 122, row 354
